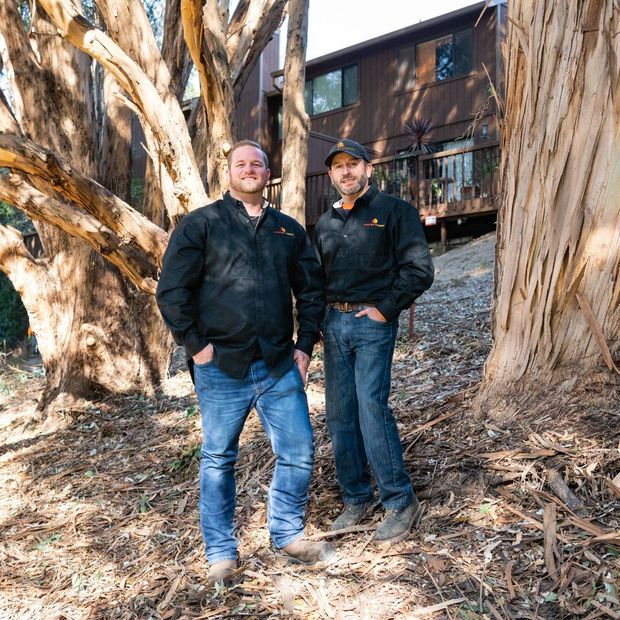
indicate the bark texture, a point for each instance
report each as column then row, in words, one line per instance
column 163, row 122
column 557, row 298
column 94, row 329
column 224, row 50
column 295, row 121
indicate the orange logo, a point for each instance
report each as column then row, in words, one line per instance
column 340, row 145
column 374, row 223
column 282, row 231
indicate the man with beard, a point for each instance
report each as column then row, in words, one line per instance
column 376, row 263
column 225, row 293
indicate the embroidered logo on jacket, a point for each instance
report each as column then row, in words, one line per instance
column 282, row 231
column 374, row 223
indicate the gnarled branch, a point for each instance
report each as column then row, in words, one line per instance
column 171, row 145
column 53, row 176
column 130, row 260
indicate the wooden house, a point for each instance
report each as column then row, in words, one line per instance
column 445, row 71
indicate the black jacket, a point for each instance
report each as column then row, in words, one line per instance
column 226, row 282
column 376, row 253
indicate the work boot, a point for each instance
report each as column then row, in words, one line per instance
column 222, row 571
column 397, row 523
column 353, row 514
column 303, row 551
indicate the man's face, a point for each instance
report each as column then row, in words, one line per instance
column 349, row 174
column 247, row 172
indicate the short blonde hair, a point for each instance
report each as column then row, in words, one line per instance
column 256, row 145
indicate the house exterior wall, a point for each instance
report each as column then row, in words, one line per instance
column 377, row 119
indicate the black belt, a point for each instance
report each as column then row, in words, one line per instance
column 347, row 306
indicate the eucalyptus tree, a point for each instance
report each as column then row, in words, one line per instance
column 72, row 78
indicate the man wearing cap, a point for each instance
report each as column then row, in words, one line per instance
column 225, row 293
column 376, row 263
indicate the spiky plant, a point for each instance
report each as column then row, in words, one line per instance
column 420, row 129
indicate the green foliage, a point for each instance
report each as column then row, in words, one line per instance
column 10, row 216
column 185, row 460
column 137, row 194
column 47, row 542
column 191, row 411
column 13, row 316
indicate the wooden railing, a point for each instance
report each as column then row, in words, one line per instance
column 448, row 184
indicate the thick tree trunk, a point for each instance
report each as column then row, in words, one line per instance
column 94, row 329
column 115, row 152
column 88, row 340
column 557, row 303
column 295, row 121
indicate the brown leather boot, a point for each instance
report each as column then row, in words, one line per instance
column 303, row 551
column 222, row 571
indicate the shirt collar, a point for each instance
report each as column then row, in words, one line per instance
column 239, row 204
column 366, row 197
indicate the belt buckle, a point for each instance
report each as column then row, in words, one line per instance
column 346, row 306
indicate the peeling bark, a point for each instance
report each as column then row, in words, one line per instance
column 225, row 53
column 165, row 128
column 70, row 293
column 559, row 222
column 133, row 263
column 114, row 161
column 52, row 175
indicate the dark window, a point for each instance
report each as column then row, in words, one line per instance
column 332, row 90
column 446, row 57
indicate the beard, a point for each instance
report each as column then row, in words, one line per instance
column 248, row 185
column 351, row 184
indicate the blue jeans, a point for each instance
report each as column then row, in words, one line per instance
column 283, row 411
column 358, row 363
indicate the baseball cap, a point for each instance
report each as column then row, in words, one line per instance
column 350, row 147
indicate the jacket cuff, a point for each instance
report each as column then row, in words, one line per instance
column 306, row 345
column 194, row 343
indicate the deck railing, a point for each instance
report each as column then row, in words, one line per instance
column 448, row 184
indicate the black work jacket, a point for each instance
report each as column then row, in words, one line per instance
column 376, row 253
column 228, row 282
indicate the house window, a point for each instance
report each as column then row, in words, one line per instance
column 406, row 68
column 444, row 58
column 331, row 91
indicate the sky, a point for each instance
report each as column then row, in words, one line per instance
column 336, row 24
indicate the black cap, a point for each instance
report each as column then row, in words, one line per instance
column 349, row 147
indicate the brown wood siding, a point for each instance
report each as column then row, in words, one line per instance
column 378, row 118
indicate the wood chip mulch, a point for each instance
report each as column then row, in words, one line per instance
column 98, row 515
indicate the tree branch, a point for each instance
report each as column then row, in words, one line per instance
column 53, row 176
column 248, row 38
column 130, row 260
column 174, row 49
column 183, row 189
column 16, row 262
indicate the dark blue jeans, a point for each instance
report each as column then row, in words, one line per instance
column 358, row 363
column 283, row 411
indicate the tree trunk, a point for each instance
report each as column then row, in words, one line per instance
column 295, row 121
column 94, row 330
column 557, row 310
column 88, row 340
column 224, row 53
